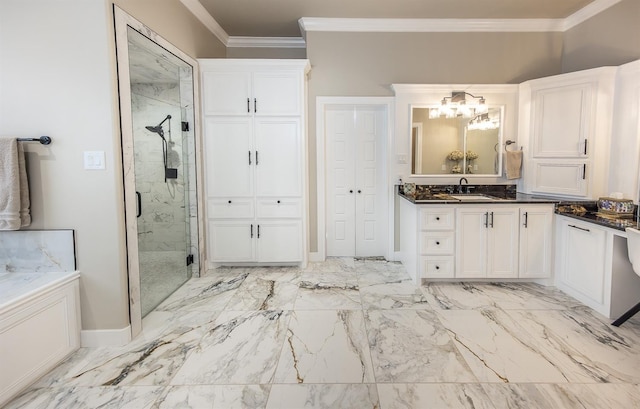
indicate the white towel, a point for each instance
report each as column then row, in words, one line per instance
column 14, row 188
column 513, row 163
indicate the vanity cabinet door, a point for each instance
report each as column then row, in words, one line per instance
column 487, row 242
column 471, row 242
column 535, row 241
column 502, row 247
column 583, row 259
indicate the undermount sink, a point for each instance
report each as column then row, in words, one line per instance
column 474, row 198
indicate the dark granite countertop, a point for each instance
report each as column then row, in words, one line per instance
column 499, row 198
column 592, row 217
column 505, row 194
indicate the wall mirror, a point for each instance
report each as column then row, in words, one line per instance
column 457, row 145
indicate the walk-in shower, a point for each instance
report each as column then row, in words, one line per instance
column 157, row 90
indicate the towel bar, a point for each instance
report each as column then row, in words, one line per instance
column 45, row 140
column 507, row 143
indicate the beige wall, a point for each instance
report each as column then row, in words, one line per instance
column 612, row 37
column 57, row 76
column 366, row 64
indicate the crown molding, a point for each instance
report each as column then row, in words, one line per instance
column 587, row 12
column 386, row 25
column 428, row 25
column 266, row 42
column 198, row 10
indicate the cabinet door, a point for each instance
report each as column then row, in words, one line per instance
column 277, row 93
column 502, row 238
column 279, row 241
column 231, row 241
column 227, row 93
column 471, row 242
column 583, row 259
column 562, row 178
column 535, row 241
column 278, row 157
column 561, row 120
column 230, row 157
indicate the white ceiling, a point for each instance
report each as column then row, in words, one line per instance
column 279, row 18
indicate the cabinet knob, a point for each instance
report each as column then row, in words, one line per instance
column 359, row 191
column 437, row 267
column 278, row 201
column 229, row 201
column 438, row 218
column 350, row 191
column 437, row 243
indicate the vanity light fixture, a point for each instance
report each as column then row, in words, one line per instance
column 482, row 122
column 457, row 106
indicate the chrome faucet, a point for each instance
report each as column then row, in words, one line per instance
column 460, row 184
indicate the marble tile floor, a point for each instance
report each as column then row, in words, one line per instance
column 355, row 334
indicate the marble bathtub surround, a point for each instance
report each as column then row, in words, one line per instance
column 32, row 251
column 350, row 334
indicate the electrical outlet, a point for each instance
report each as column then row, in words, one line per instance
column 444, row 167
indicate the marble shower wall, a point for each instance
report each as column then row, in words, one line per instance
column 169, row 209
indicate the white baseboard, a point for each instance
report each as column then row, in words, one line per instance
column 396, row 256
column 315, row 257
column 105, row 337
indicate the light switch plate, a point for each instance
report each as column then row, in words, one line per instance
column 401, row 159
column 94, row 160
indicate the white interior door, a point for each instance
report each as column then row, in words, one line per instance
column 341, row 235
column 356, row 201
column 371, row 204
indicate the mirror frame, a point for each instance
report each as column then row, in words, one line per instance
column 418, row 125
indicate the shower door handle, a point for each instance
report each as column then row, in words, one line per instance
column 138, row 204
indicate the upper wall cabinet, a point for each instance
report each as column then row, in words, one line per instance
column 263, row 90
column 565, row 124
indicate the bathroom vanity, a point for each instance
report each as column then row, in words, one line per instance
column 497, row 235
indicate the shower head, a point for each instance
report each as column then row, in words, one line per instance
column 156, row 129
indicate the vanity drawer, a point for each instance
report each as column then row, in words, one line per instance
column 230, row 208
column 279, row 208
column 437, row 242
column 437, row 218
column 437, row 266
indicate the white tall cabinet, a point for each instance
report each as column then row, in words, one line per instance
column 255, row 160
column 565, row 126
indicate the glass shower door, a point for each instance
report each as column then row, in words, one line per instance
column 162, row 114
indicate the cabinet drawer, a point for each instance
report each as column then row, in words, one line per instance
column 436, row 242
column 230, row 209
column 437, row 219
column 279, row 208
column 437, row 266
